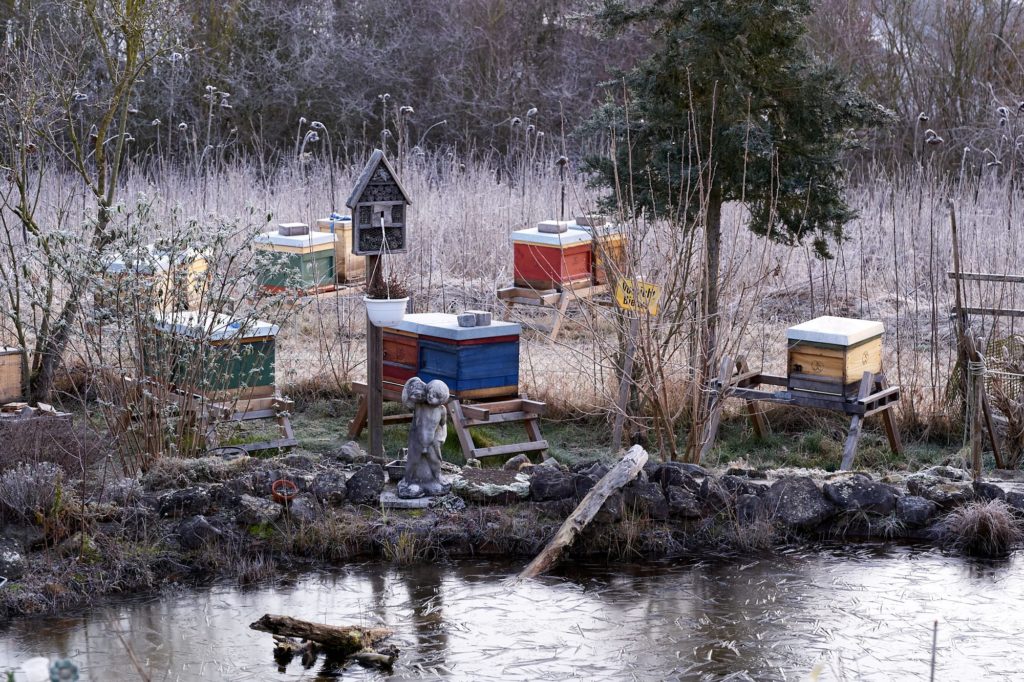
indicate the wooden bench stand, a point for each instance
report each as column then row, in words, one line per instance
column 874, row 397
column 464, row 417
column 554, row 300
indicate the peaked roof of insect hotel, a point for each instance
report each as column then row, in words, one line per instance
column 376, row 179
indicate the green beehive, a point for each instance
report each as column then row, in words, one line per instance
column 295, row 258
column 213, row 355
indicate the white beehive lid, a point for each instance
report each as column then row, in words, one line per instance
column 446, row 326
column 599, row 230
column 835, row 331
column 534, row 236
column 300, row 240
column 214, row 326
column 150, row 260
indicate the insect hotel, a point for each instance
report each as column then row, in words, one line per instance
column 296, row 259
column 171, row 280
column 833, row 363
column 348, row 267
column 477, row 358
column 378, row 204
column 561, row 260
column 220, row 367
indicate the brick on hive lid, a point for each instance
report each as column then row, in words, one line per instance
column 292, row 229
column 553, row 226
column 591, row 220
column 483, row 317
column 466, row 319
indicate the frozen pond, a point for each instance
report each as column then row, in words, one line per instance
column 865, row 612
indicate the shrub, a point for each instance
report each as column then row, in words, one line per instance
column 985, row 529
column 31, row 490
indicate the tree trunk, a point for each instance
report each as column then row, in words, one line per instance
column 340, row 640
column 53, row 350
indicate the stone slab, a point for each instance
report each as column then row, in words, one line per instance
column 835, row 331
column 390, row 500
column 445, row 326
column 566, row 239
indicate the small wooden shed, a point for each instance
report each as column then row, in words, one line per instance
column 379, row 209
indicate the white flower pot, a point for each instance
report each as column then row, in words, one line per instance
column 385, row 312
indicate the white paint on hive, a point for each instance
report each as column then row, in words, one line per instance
column 836, row 331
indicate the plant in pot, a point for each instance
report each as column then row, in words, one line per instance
column 386, row 298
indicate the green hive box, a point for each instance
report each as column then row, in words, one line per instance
column 213, row 355
column 290, row 262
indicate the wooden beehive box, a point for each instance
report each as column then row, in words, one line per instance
column 475, row 362
column 830, row 354
column 347, row 267
column 11, row 377
column 299, row 262
column 609, row 247
column 173, row 281
column 550, row 261
column 213, row 355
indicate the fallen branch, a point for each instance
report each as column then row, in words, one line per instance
column 337, row 640
column 620, row 474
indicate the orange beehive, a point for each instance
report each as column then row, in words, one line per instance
column 550, row 261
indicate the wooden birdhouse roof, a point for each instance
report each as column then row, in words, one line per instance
column 378, row 183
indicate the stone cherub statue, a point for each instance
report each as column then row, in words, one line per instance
column 427, row 433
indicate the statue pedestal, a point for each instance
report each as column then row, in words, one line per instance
column 390, row 500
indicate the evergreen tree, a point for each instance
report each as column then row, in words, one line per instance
column 731, row 101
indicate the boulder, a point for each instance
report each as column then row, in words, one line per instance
column 351, row 453
column 517, row 463
column 330, row 487
column 366, row 485
column 738, row 485
column 646, row 498
column 611, row 510
column 915, row 511
column 672, row 474
column 12, row 558
column 303, row 509
column 988, row 491
column 298, row 461
column 682, row 503
column 857, row 492
column 195, row 532
column 549, row 483
column 947, row 472
column 255, row 511
column 745, row 472
column 492, row 486
column 1015, row 499
column 942, row 491
column 190, row 501
column 797, row 502
column 695, row 470
column 749, row 508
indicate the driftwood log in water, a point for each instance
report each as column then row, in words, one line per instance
column 334, row 639
column 621, row 474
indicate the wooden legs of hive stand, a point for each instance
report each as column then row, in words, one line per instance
column 869, row 384
column 757, row 420
column 559, row 315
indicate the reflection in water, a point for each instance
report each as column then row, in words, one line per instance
column 867, row 613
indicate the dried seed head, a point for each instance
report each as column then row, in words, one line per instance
column 532, row 112
column 210, row 88
column 317, row 125
column 562, row 160
column 516, row 121
column 155, row 122
column 183, row 126
column 302, row 120
column 176, row 57
column 922, row 117
column 530, row 128
column 1003, row 112
column 79, row 96
column 406, row 110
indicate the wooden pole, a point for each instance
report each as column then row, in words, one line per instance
column 375, row 368
column 627, row 381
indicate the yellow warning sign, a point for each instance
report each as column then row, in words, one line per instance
column 634, row 294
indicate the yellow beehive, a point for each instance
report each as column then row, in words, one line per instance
column 348, row 267
column 830, row 354
column 11, row 377
column 171, row 281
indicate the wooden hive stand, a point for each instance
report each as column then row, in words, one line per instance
column 463, row 417
column 555, row 302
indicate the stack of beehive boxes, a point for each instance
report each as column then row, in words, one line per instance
column 297, row 258
column 559, row 254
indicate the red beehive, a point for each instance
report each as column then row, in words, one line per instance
column 550, row 261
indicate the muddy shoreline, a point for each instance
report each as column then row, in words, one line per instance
column 196, row 521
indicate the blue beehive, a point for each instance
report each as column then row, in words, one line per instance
column 475, row 362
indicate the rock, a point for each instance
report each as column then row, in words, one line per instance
column 695, row 470
column 988, row 491
column 646, row 499
column 1015, row 499
column 330, row 487
column 797, row 502
column 947, row 472
column 304, row 509
column 492, row 486
column 714, row 494
column 255, row 511
column 737, row 485
column 595, row 471
column 682, row 503
column 942, row 491
column 553, row 463
column 365, row 485
column 555, row 509
column 549, row 483
column 473, row 463
column 745, row 472
column 857, row 492
column 583, row 484
column 185, row 502
column 915, row 511
column 195, row 532
column 351, row 453
column 749, row 508
column 517, row 463
column 298, row 461
column 672, row 474
column 12, row 558
column 447, row 504
column 611, row 510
